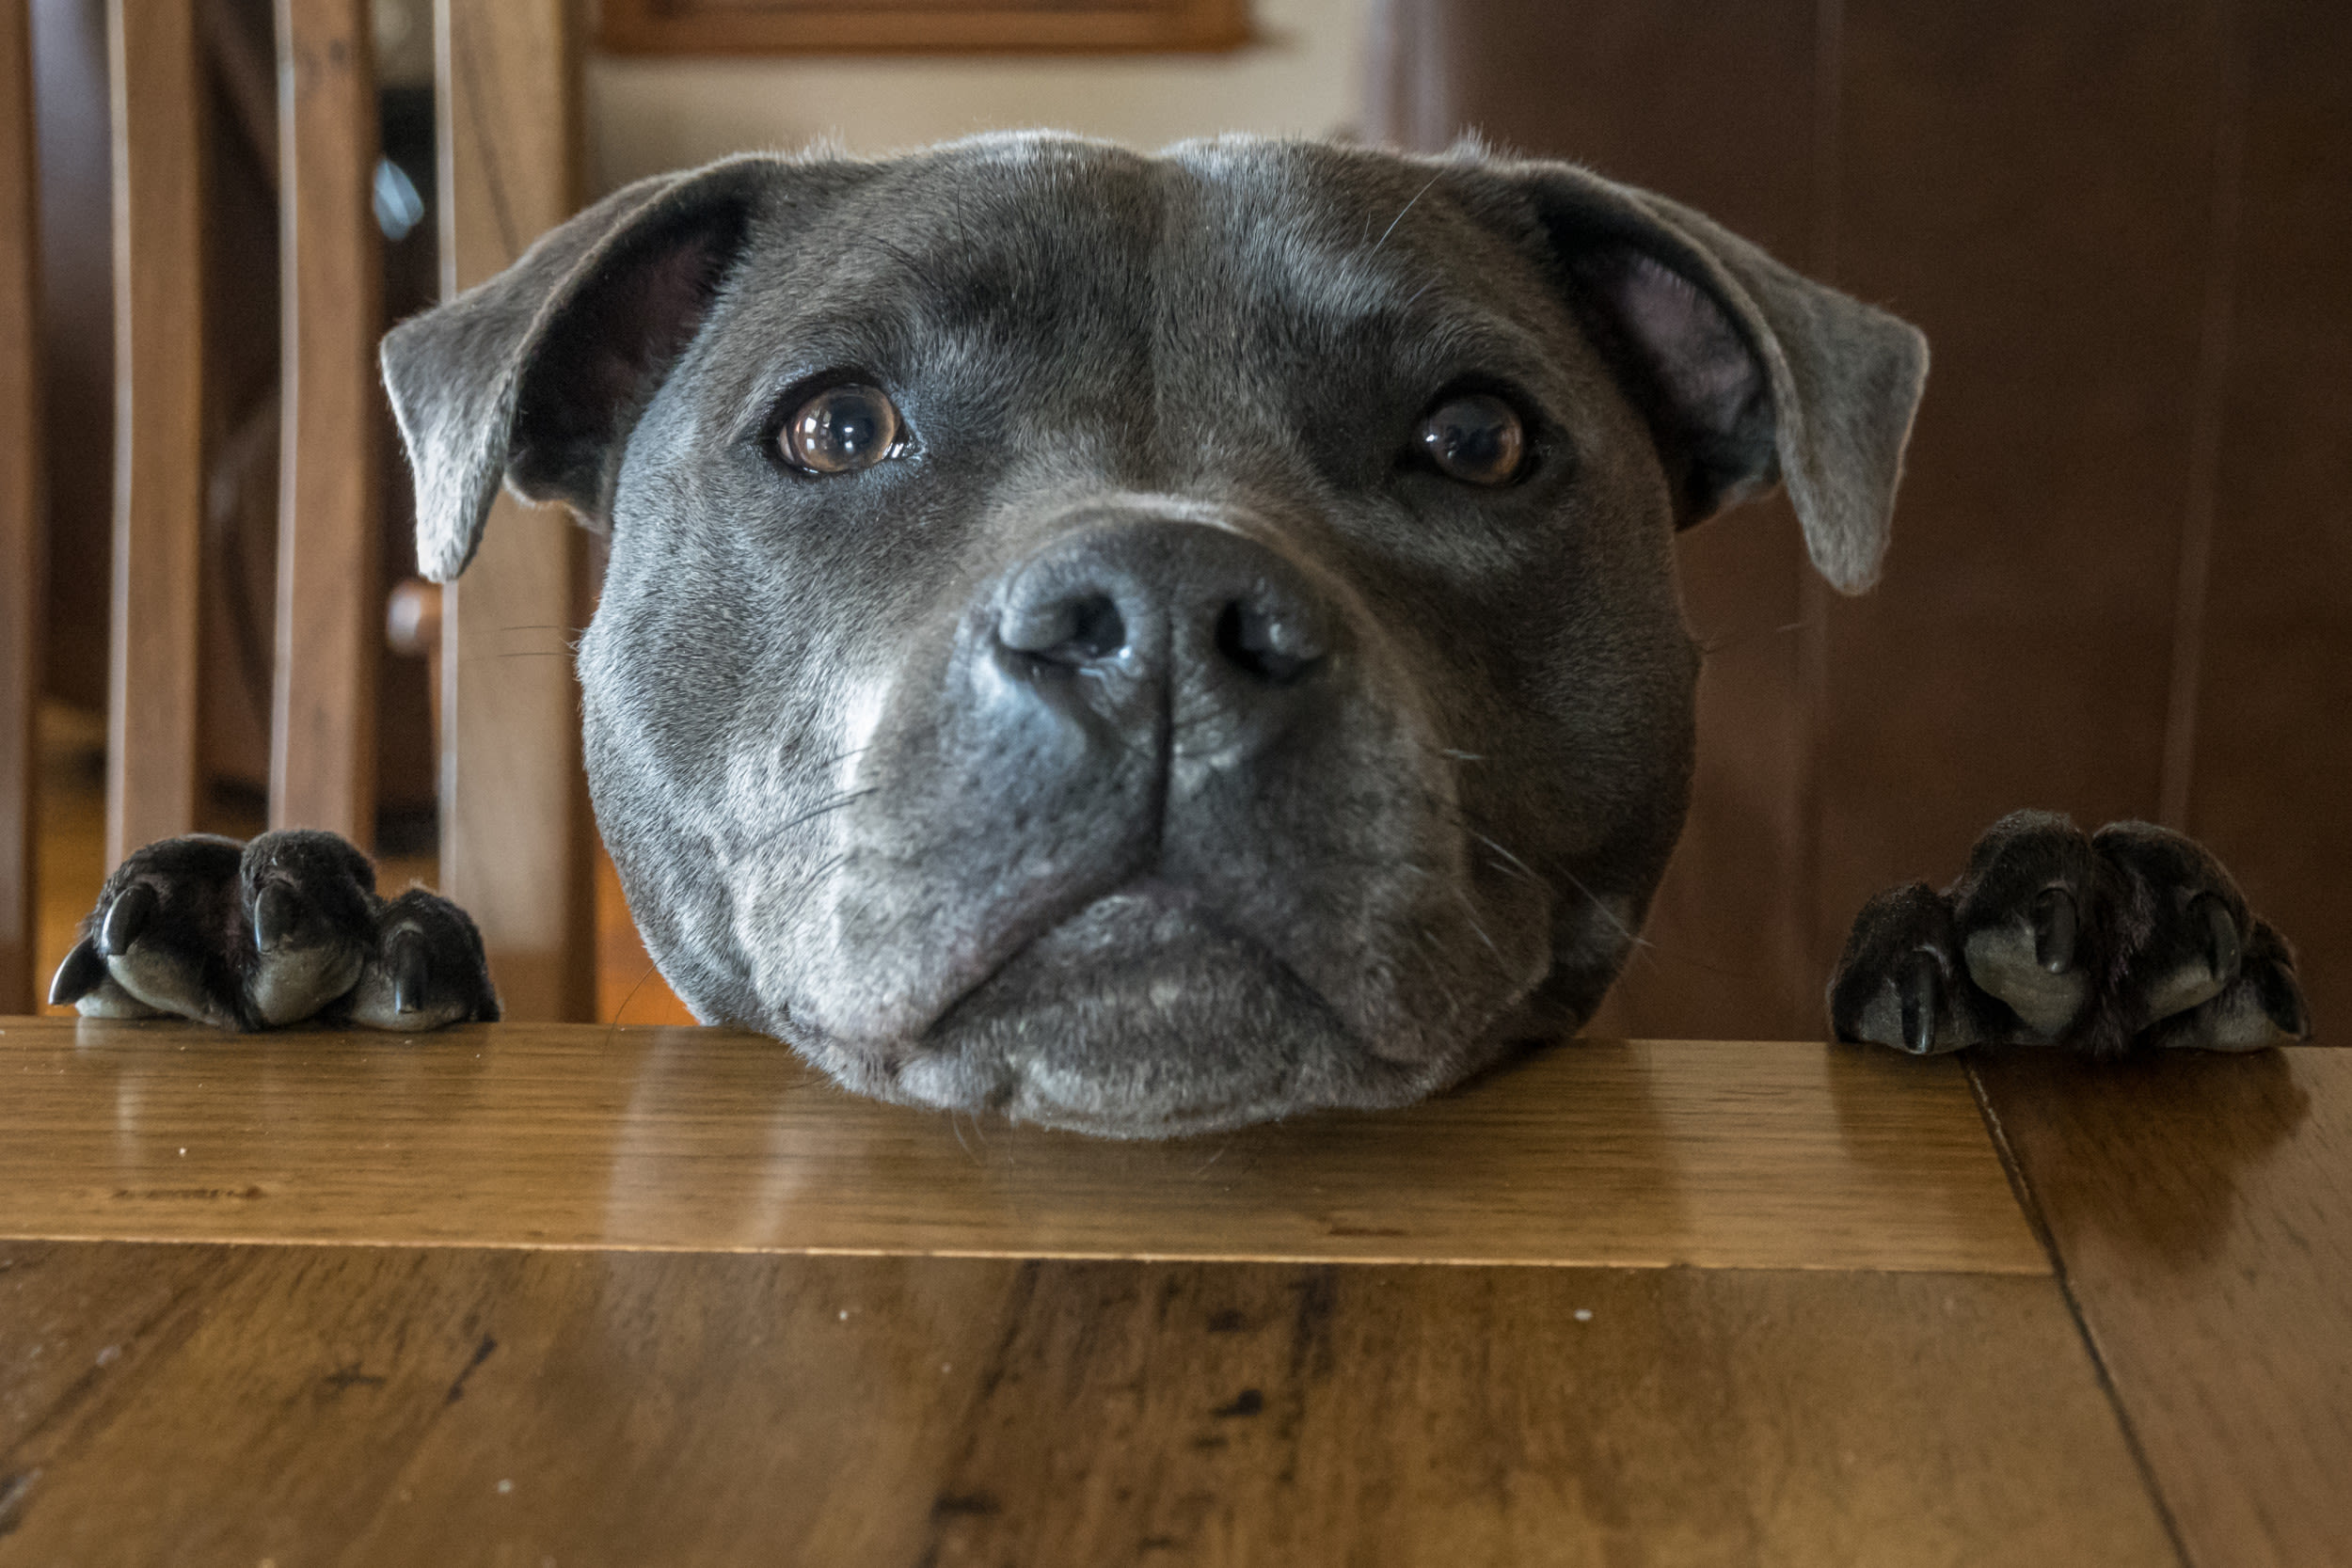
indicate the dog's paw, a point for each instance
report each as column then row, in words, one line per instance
column 2134, row 936
column 260, row 935
column 427, row 969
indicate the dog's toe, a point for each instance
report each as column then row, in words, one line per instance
column 1897, row 985
column 2028, row 960
column 428, row 969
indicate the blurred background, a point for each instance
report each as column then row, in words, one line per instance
column 2122, row 578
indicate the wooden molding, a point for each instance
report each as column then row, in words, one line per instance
column 921, row 27
column 21, row 507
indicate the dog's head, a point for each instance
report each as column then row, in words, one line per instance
column 1148, row 643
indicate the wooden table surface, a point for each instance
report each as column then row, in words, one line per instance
column 526, row 1294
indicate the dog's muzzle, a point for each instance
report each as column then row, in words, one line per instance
column 1160, row 633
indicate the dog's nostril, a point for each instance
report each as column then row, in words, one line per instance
column 1276, row 648
column 1081, row 629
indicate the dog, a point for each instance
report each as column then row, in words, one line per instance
column 1152, row 643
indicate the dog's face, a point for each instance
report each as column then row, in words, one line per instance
column 1147, row 643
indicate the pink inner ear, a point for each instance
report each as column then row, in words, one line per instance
column 651, row 313
column 1702, row 364
column 603, row 357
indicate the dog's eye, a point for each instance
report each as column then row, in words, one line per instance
column 840, row 430
column 1474, row 438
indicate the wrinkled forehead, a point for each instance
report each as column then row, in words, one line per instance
column 1093, row 259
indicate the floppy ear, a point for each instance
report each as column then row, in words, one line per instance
column 1748, row 372
column 539, row 374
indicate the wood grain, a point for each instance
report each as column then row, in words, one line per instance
column 20, row 508
column 2198, row 1206
column 2000, row 164
column 2269, row 757
column 516, row 837
column 2117, row 579
column 366, row 1406
column 329, row 601
column 159, row 457
column 1758, row 1156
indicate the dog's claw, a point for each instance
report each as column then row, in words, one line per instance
column 2055, row 925
column 126, row 918
column 275, row 914
column 411, row 970
column 2224, row 949
column 1917, row 982
column 82, row 972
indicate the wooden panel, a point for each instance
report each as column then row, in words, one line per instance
column 2271, row 753
column 364, row 1405
column 517, row 841
column 159, row 458
column 1765, row 1156
column 329, row 602
column 1722, row 120
column 2198, row 1206
column 919, row 26
column 20, row 556
column 2032, row 184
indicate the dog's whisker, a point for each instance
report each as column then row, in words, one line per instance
column 840, row 757
column 1402, row 211
column 1607, row 913
column 1470, row 912
column 804, row 819
column 1524, row 869
column 1712, row 646
column 1437, row 974
column 1213, row 1159
column 621, row 1012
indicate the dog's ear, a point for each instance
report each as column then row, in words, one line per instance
column 1749, row 374
column 538, row 375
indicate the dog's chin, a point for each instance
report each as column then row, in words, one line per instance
column 1141, row 1017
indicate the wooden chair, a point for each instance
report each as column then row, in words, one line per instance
column 516, row 833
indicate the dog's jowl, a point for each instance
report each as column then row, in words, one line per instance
column 1151, row 643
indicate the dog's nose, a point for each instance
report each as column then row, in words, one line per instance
column 1226, row 627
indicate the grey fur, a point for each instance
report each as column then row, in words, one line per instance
column 841, row 821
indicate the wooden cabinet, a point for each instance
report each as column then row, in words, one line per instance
column 2122, row 576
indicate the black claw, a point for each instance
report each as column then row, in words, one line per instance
column 82, row 972
column 133, row 907
column 2054, row 930
column 275, row 914
column 1916, row 980
column 411, row 970
column 2221, row 928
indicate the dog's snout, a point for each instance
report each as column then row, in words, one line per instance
column 1074, row 630
column 1202, row 612
column 1269, row 640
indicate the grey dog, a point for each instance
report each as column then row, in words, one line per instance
column 1150, row 643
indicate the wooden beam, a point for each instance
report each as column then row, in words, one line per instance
column 516, row 838
column 19, row 504
column 329, row 601
column 159, row 462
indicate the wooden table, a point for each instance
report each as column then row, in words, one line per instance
column 522, row 1295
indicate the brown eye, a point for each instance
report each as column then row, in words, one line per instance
column 1475, row 439
column 841, row 430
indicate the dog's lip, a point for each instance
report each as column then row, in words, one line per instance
column 1153, row 893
